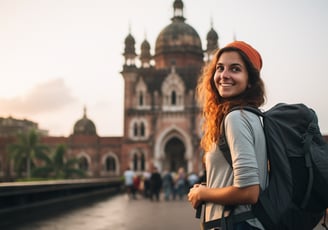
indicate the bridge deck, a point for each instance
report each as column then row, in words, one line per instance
column 120, row 213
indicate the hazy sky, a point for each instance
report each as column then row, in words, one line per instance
column 57, row 56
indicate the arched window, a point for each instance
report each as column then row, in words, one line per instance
column 83, row 164
column 139, row 161
column 141, row 98
column 135, row 129
column 135, row 162
column 142, row 129
column 138, row 129
column 142, row 162
column 173, row 98
column 110, row 164
column 173, row 91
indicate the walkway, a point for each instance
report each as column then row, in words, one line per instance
column 119, row 213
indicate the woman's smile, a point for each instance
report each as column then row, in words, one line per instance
column 231, row 77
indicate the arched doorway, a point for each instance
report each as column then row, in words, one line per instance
column 174, row 155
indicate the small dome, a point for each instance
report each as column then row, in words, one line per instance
column 145, row 45
column 129, row 45
column 129, row 40
column 212, row 35
column 212, row 41
column 145, row 55
column 84, row 126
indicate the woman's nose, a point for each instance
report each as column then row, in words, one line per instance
column 224, row 74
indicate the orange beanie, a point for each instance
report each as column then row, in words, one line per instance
column 250, row 52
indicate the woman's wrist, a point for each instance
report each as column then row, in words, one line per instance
column 201, row 191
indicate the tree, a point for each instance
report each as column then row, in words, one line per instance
column 55, row 165
column 23, row 151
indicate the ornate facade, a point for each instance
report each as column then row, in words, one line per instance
column 161, row 120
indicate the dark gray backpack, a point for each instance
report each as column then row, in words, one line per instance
column 297, row 194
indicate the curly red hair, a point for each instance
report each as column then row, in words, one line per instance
column 214, row 107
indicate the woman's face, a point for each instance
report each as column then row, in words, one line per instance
column 231, row 76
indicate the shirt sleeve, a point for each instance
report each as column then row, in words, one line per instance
column 240, row 137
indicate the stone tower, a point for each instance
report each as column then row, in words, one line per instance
column 161, row 116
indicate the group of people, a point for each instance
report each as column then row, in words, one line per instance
column 150, row 184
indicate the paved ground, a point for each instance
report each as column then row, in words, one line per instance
column 119, row 213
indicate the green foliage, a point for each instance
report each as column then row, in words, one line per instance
column 27, row 148
column 23, row 151
column 56, row 167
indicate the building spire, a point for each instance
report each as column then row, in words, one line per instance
column 129, row 49
column 178, row 11
column 84, row 111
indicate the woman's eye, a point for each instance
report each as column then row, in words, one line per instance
column 219, row 68
column 235, row 69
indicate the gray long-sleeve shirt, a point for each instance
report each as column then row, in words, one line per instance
column 246, row 140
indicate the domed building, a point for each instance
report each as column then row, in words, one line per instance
column 84, row 126
column 161, row 116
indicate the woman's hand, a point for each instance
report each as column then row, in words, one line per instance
column 229, row 195
column 194, row 195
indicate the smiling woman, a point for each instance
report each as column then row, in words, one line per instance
column 231, row 79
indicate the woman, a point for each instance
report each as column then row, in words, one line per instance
column 232, row 79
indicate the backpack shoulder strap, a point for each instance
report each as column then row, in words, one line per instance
column 223, row 144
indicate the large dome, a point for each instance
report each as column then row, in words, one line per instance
column 84, row 126
column 178, row 43
column 178, row 36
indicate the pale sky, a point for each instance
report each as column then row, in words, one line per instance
column 57, row 56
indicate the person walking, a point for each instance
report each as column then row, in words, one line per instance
column 128, row 181
column 167, row 185
column 146, row 180
column 181, row 183
column 137, row 185
column 232, row 79
column 155, row 184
